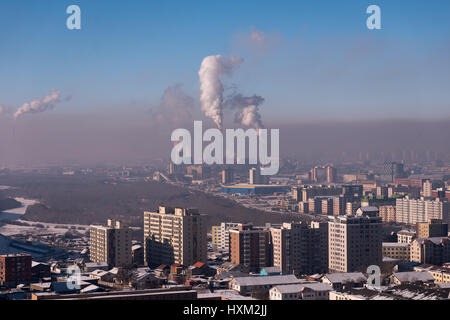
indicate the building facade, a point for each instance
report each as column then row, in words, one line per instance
column 387, row 214
column 111, row 244
column 300, row 248
column 434, row 251
column 174, row 235
column 432, row 228
column 250, row 247
column 221, row 235
column 412, row 211
column 15, row 269
column 354, row 242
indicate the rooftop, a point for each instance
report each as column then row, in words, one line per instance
column 267, row 280
column 413, row 276
column 346, row 277
column 295, row 288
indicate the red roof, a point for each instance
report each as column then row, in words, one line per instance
column 199, row 264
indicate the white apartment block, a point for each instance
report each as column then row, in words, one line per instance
column 111, row 244
column 412, row 211
column 221, row 235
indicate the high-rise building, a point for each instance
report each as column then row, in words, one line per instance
column 412, row 211
column 300, row 248
column 393, row 170
column 331, row 174
column 352, row 192
column 227, row 176
column 111, row 243
column 313, row 174
column 355, row 242
column 387, row 213
column 15, row 269
column 254, row 176
column 221, row 234
column 431, row 229
column 250, row 247
column 174, row 235
column 427, row 189
column 297, row 194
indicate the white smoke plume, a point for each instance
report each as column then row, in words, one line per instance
column 38, row 105
column 211, row 86
column 247, row 110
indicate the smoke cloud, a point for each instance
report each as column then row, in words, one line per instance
column 175, row 108
column 38, row 105
column 211, row 86
column 247, row 110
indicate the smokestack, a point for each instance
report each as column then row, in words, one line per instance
column 211, row 86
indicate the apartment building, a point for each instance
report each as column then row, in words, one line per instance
column 432, row 228
column 395, row 250
column 174, row 235
column 406, row 236
column 434, row 251
column 387, row 214
column 354, row 242
column 412, row 211
column 221, row 235
column 111, row 244
column 250, row 247
column 15, row 269
column 300, row 247
column 441, row 275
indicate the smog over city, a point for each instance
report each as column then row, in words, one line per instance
column 224, row 155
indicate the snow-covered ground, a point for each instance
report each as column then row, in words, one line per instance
column 35, row 226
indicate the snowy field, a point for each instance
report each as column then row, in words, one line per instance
column 35, row 226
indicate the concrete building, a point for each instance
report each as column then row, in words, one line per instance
column 254, row 175
column 174, row 235
column 387, row 214
column 395, row 250
column 331, row 174
column 300, row 248
column 250, row 247
column 441, row 275
column 337, row 281
column 111, row 244
column 431, row 250
column 354, row 242
column 411, row 211
column 405, row 236
column 309, row 192
column 304, row 291
column 15, row 269
column 427, row 189
column 432, row 228
column 221, row 234
column 227, row 176
column 248, row 285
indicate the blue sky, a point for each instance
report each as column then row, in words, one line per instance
column 319, row 60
